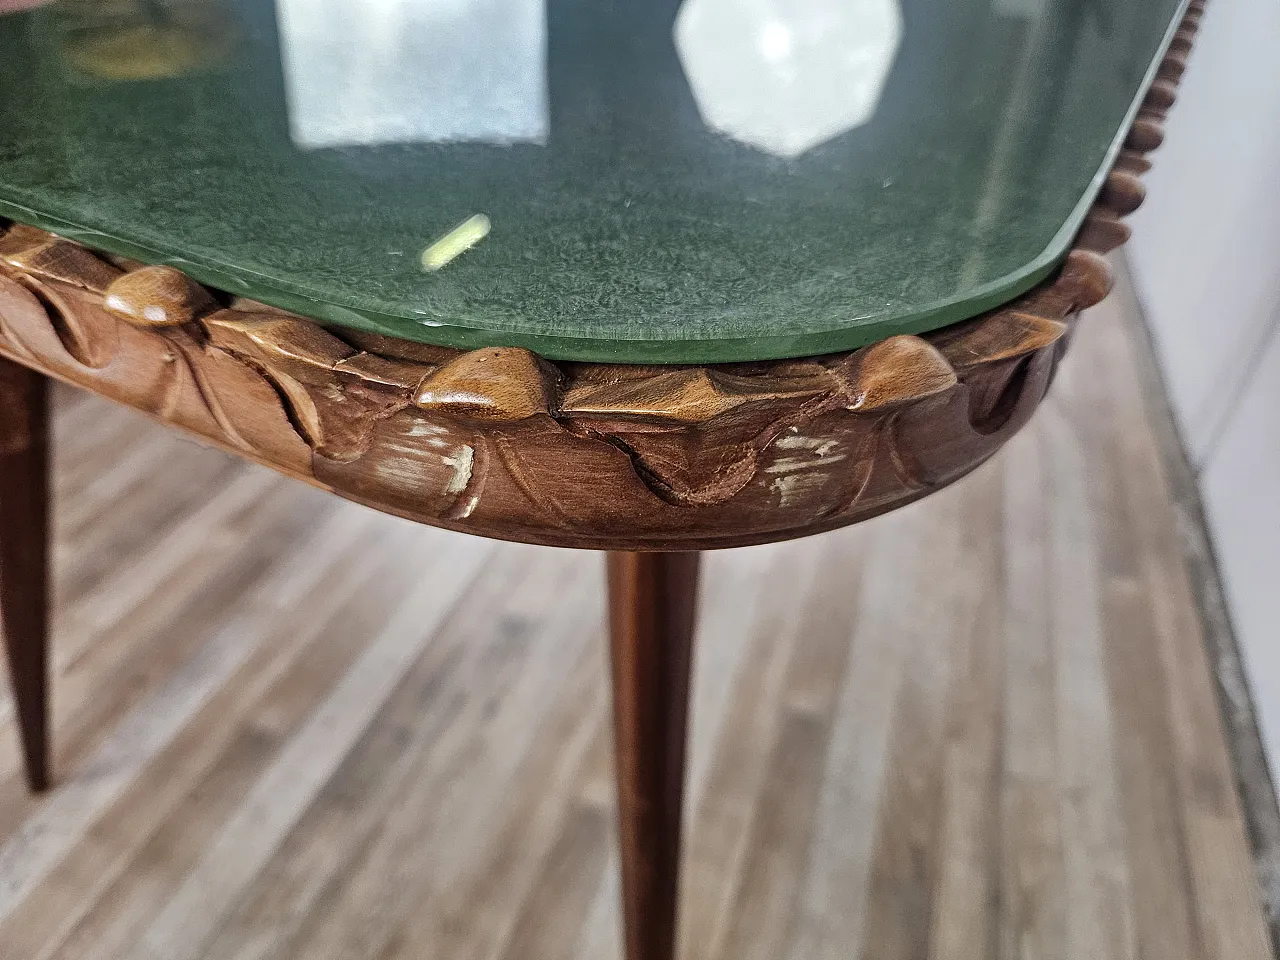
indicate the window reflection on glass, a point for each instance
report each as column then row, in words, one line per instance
column 362, row 72
column 787, row 75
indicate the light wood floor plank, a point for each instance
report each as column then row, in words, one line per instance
column 427, row 727
column 967, row 877
column 204, row 774
column 269, row 811
column 833, row 904
column 1154, row 831
column 1033, row 916
column 777, row 842
column 717, row 839
column 1097, row 890
column 530, row 733
column 1225, row 918
column 905, row 861
column 58, row 822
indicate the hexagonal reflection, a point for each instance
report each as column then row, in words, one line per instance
column 787, row 75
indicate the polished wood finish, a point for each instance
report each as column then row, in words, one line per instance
column 652, row 612
column 986, row 723
column 24, row 560
column 502, row 443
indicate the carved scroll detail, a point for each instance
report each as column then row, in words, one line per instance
column 500, row 442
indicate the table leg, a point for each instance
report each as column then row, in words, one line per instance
column 24, row 530
column 652, row 610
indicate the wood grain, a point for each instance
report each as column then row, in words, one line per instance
column 878, row 717
column 24, row 556
column 652, row 611
column 502, row 443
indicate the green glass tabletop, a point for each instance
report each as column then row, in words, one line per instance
column 623, row 180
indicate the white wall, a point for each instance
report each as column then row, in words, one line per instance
column 1206, row 262
column 1240, row 486
column 1206, row 248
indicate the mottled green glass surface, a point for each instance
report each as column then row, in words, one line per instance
column 623, row 225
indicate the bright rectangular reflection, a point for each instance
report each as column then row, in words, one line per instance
column 362, row 72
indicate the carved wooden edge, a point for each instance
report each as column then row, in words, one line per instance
column 500, row 442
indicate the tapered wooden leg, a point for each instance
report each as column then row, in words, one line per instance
column 652, row 608
column 24, row 454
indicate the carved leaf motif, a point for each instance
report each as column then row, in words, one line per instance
column 693, row 434
column 691, row 395
column 563, row 476
column 42, row 256
column 1004, row 335
column 893, row 372
column 898, row 455
column 294, row 346
column 167, row 373
column 245, row 406
column 994, row 398
column 335, row 397
column 416, row 466
column 339, row 423
column 1103, row 231
column 209, row 389
column 19, row 311
column 86, row 332
column 689, row 467
column 38, row 317
column 818, row 466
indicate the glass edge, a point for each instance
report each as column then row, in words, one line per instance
column 924, row 319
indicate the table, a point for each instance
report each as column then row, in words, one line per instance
column 647, row 279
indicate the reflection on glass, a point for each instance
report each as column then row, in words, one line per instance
column 386, row 71
column 1022, row 9
column 787, row 75
column 121, row 40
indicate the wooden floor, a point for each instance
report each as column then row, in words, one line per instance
column 288, row 727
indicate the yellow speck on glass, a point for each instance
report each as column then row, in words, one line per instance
column 456, row 242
